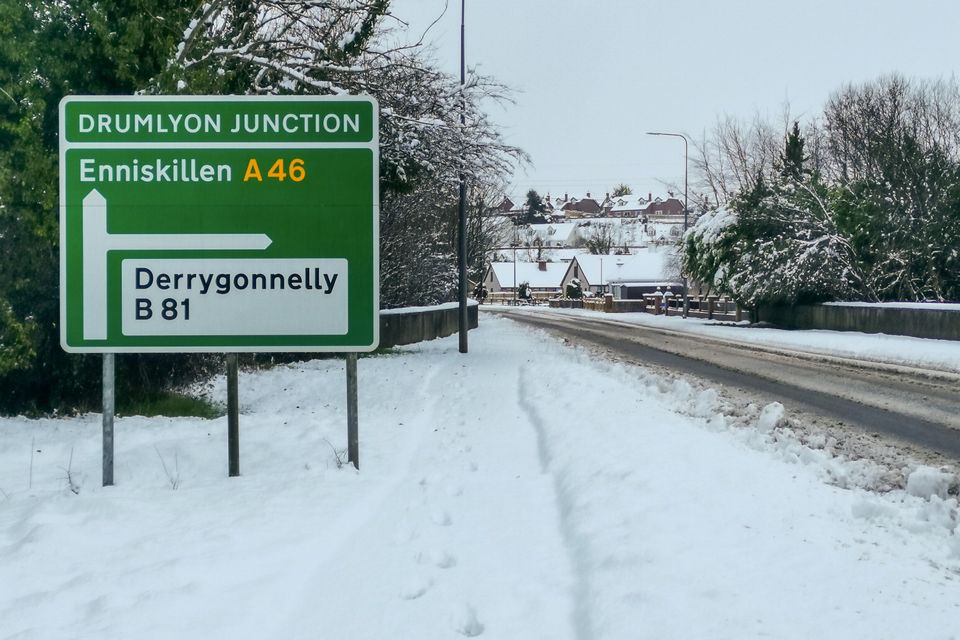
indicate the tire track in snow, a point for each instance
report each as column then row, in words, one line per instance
column 576, row 545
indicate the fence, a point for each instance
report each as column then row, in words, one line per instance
column 506, row 297
column 710, row 307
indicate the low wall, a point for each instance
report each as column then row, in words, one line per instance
column 919, row 323
column 417, row 324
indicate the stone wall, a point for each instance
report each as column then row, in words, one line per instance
column 417, row 324
column 943, row 324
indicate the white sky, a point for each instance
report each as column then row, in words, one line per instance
column 592, row 76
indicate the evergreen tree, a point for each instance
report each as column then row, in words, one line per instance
column 49, row 50
column 534, row 208
column 792, row 157
column 621, row 190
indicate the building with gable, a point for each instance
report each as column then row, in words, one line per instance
column 602, row 273
column 541, row 276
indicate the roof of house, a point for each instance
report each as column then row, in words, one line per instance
column 530, row 272
column 648, row 265
column 628, row 203
column 553, row 230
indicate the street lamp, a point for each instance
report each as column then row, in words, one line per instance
column 462, row 262
column 686, row 165
column 515, row 244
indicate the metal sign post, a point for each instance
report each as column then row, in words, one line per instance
column 233, row 416
column 109, row 398
column 353, row 437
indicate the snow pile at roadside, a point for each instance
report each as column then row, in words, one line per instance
column 902, row 350
column 526, row 490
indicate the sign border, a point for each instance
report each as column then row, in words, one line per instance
column 373, row 145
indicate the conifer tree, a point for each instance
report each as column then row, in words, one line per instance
column 533, row 212
column 792, row 158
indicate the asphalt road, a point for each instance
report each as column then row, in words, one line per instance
column 916, row 406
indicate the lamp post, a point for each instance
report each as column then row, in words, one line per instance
column 686, row 165
column 516, row 243
column 462, row 262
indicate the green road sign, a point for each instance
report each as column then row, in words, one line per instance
column 215, row 223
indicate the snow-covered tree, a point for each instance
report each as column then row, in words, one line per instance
column 775, row 246
column 865, row 204
column 338, row 47
column 601, row 238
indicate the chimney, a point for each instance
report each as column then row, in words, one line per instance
column 608, row 195
column 542, row 265
column 588, row 194
column 649, row 197
column 565, row 198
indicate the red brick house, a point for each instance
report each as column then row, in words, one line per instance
column 579, row 207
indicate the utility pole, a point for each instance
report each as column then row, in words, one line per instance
column 686, row 207
column 464, row 323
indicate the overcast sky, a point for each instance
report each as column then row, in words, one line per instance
column 592, row 76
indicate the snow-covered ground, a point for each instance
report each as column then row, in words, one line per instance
column 526, row 490
column 877, row 347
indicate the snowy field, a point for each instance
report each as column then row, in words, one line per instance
column 524, row 491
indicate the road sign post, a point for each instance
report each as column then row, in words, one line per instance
column 219, row 224
column 109, row 409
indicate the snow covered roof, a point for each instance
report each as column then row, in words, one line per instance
column 549, row 278
column 562, row 255
column 627, row 203
column 646, row 266
column 554, row 229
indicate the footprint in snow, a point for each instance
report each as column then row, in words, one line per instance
column 454, row 490
column 437, row 558
column 441, row 518
column 415, row 587
column 432, row 478
column 466, row 623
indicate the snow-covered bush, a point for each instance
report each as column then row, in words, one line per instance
column 776, row 245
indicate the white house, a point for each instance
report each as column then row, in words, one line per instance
column 556, row 234
column 542, row 276
column 598, row 273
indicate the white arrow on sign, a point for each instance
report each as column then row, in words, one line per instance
column 97, row 242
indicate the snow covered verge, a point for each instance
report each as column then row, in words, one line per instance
column 526, row 490
column 901, row 350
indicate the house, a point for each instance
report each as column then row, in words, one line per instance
column 664, row 210
column 624, row 206
column 578, row 207
column 562, row 234
column 597, row 273
column 506, row 206
column 542, row 276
